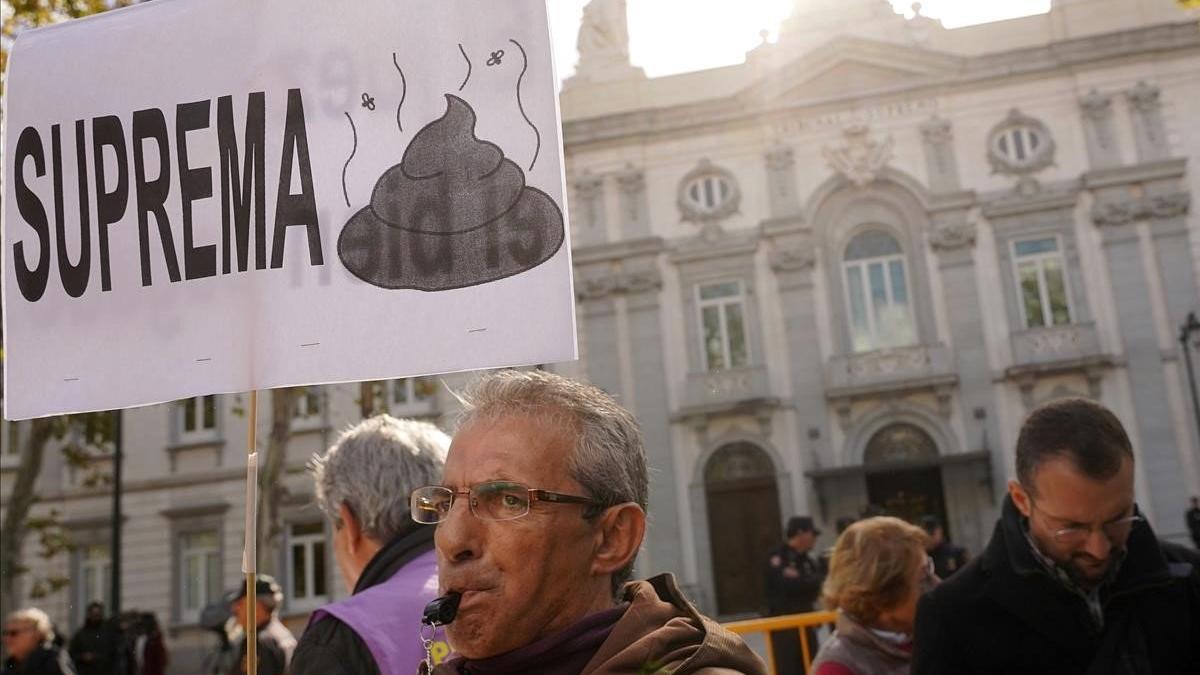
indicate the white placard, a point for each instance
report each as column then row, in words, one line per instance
column 208, row 196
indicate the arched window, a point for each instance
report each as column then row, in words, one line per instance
column 877, row 298
column 899, row 442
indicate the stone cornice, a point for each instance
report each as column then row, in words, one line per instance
column 622, row 250
column 630, row 282
column 1137, row 173
column 1060, row 56
column 1010, row 205
column 1123, row 212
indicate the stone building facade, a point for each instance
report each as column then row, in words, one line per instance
column 835, row 275
column 841, row 273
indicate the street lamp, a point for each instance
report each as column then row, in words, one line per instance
column 1189, row 328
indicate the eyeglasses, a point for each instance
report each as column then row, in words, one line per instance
column 495, row 500
column 1117, row 531
column 14, row 632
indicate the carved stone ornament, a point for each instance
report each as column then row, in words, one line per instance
column 1169, row 206
column 1116, row 213
column 588, row 186
column 862, row 158
column 889, row 362
column 936, row 131
column 599, row 288
column 1143, row 97
column 631, row 180
column 780, row 157
column 1096, row 106
column 794, row 259
column 952, row 237
column 727, row 199
column 1020, row 145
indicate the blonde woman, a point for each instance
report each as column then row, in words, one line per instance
column 877, row 572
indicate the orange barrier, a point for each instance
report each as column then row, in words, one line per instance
column 797, row 622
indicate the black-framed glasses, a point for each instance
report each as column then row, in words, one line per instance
column 1116, row 531
column 494, row 500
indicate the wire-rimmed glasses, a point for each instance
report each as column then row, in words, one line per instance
column 494, row 500
column 1117, row 531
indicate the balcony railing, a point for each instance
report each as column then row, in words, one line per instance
column 724, row 388
column 899, row 367
column 1055, row 345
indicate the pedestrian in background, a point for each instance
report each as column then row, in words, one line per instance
column 793, row 580
column 947, row 558
column 30, row 645
column 1193, row 521
column 387, row 561
column 96, row 646
column 275, row 642
column 150, row 652
column 878, row 571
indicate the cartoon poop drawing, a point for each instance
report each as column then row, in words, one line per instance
column 454, row 213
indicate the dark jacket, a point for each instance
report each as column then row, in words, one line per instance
column 789, row 593
column 1004, row 613
column 948, row 559
column 275, row 647
column 331, row 647
column 49, row 659
column 94, row 648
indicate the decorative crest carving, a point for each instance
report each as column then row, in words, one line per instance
column 588, row 186
column 794, row 259
column 952, row 237
column 1096, row 106
column 631, row 180
column 1116, row 213
column 1143, row 97
column 936, row 131
column 780, row 157
column 862, row 158
column 639, row 281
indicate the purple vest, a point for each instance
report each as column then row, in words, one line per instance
column 387, row 616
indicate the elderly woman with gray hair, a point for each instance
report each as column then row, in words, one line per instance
column 387, row 561
column 29, row 643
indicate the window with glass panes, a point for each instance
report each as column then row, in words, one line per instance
column 877, row 298
column 95, row 575
column 708, row 193
column 199, row 573
column 306, row 564
column 1041, row 282
column 196, row 418
column 412, row 395
column 722, row 317
column 306, row 411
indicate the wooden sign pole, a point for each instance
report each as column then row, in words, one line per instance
column 249, row 562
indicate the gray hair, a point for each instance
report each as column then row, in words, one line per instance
column 374, row 466
column 39, row 619
column 609, row 457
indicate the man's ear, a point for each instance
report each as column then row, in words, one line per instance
column 1019, row 497
column 618, row 536
column 350, row 524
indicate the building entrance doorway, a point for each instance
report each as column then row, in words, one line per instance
column 743, row 523
column 907, row 493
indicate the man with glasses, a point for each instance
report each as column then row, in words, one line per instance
column 1074, row 579
column 539, row 515
column 29, row 644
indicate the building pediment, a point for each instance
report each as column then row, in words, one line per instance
column 849, row 66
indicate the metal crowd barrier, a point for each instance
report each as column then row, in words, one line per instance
column 797, row 622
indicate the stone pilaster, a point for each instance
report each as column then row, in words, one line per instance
column 592, row 225
column 634, row 206
column 1097, row 112
column 1149, row 131
column 781, row 182
column 940, row 161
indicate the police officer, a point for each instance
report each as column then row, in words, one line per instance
column 947, row 558
column 794, row 577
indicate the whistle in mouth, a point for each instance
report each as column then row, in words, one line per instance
column 442, row 610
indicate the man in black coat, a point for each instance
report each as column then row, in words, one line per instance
column 363, row 483
column 1074, row 579
column 947, row 558
column 95, row 646
column 1193, row 521
column 794, row 577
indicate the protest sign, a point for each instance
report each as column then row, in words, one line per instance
column 207, row 196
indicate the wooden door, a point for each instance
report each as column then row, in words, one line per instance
column 743, row 525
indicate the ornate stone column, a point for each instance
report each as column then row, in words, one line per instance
column 1123, row 198
column 1149, row 132
column 1097, row 112
column 634, row 207
column 781, row 182
column 590, row 225
column 938, row 141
